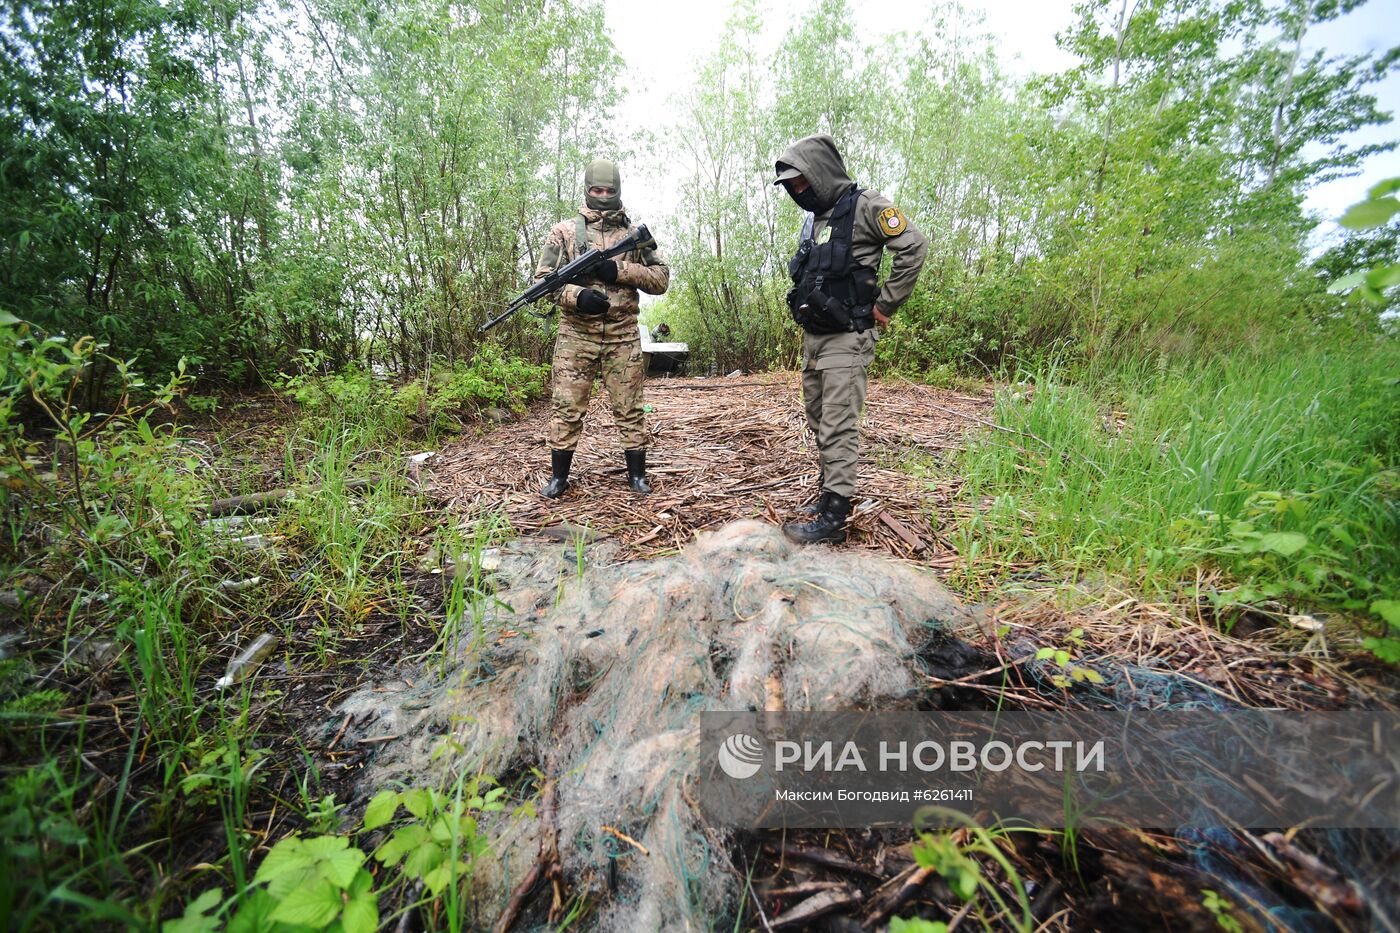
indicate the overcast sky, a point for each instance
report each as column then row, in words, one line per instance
column 662, row 42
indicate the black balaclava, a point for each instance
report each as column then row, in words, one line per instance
column 807, row 199
column 605, row 173
column 816, row 159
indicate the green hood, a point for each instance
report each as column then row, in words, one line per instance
column 819, row 162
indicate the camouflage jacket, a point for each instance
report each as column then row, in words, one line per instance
column 636, row 270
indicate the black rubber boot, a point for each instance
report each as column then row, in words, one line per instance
column 829, row 526
column 559, row 462
column 637, row 471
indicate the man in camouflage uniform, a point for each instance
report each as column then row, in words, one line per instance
column 598, row 327
column 838, row 303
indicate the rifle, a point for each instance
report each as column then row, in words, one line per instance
column 572, row 272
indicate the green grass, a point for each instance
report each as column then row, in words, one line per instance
column 103, row 780
column 1268, row 476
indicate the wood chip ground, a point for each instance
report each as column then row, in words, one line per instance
column 724, row 448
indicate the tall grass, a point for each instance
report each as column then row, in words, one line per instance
column 115, row 743
column 1273, row 475
column 356, row 535
column 93, row 820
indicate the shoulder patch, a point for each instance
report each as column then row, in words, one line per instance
column 892, row 222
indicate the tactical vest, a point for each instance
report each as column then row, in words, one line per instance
column 832, row 293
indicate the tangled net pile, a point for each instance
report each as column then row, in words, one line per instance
column 598, row 680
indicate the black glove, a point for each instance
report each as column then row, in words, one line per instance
column 592, row 302
column 606, row 271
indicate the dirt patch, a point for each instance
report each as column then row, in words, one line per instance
column 724, row 449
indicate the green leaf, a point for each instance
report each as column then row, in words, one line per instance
column 917, row 925
column 287, row 856
column 340, row 867
column 396, row 846
column 314, row 904
column 1387, row 649
column 1381, row 188
column 963, row 881
column 322, row 847
column 1388, row 609
column 423, row 859
column 254, row 914
column 418, row 801
column 1383, row 277
column 8, row 318
column 1045, row 654
column 381, row 809
column 1372, row 296
column 1285, row 543
column 362, row 884
column 361, row 915
column 1347, row 282
column 194, row 919
column 1370, row 213
column 440, row 877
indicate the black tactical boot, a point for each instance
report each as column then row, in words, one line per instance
column 637, row 471
column 817, row 506
column 829, row 526
column 559, row 462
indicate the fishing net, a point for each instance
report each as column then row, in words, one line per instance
column 595, row 679
column 591, row 672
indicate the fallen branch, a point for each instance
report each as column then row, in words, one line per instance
column 619, row 834
column 257, row 501
column 827, row 859
column 816, row 906
column 894, row 894
column 546, row 862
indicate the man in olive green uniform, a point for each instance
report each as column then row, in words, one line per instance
column 598, row 327
column 838, row 303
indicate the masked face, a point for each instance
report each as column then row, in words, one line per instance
column 603, row 186
column 801, row 192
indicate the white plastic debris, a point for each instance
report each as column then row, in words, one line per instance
column 247, row 660
column 1306, row 622
column 254, row 542
column 230, row 524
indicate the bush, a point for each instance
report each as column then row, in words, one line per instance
column 447, row 396
column 451, row 395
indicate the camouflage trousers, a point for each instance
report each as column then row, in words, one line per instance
column 578, row 360
column 833, row 394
